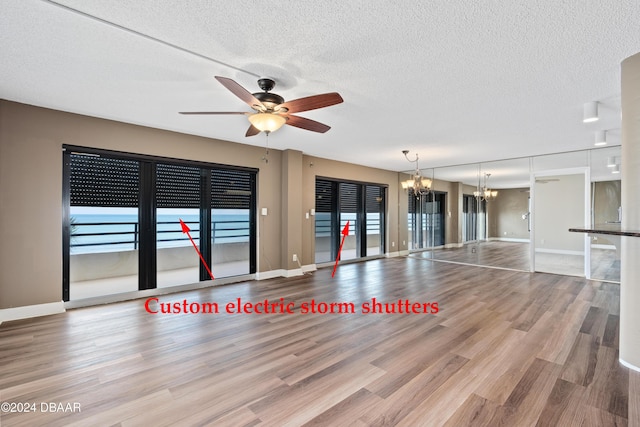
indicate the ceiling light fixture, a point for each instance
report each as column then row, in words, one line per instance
column 590, row 112
column 267, row 122
column 601, row 138
column 418, row 185
column 485, row 193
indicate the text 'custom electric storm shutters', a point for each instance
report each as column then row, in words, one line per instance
column 121, row 222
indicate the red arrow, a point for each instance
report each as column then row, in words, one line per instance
column 186, row 229
column 345, row 233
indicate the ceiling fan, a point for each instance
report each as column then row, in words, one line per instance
column 271, row 111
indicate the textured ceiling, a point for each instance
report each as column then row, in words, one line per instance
column 456, row 81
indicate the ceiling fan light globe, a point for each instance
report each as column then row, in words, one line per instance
column 267, row 122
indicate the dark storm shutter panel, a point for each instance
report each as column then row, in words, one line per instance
column 177, row 186
column 348, row 197
column 103, row 182
column 230, row 189
column 374, row 199
column 412, row 203
column 323, row 196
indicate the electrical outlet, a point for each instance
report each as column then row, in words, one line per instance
column 393, row 244
column 295, row 257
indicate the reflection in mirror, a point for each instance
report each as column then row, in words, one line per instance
column 424, row 230
column 508, row 216
column 497, row 233
column 605, row 209
column 558, row 202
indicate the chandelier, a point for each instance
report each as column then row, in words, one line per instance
column 418, row 185
column 484, row 193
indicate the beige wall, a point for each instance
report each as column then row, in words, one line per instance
column 630, row 250
column 313, row 167
column 606, row 201
column 31, row 140
column 559, row 205
column 505, row 214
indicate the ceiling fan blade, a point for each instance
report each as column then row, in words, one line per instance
column 252, row 131
column 211, row 112
column 240, row 92
column 307, row 124
column 312, row 102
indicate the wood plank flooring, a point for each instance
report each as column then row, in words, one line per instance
column 505, row 348
column 605, row 263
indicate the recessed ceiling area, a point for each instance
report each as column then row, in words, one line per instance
column 457, row 82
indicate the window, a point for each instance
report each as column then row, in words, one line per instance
column 122, row 230
column 362, row 206
column 426, row 220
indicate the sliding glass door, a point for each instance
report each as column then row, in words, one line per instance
column 349, row 198
column 374, row 219
column 426, row 220
column 362, row 206
column 474, row 219
column 177, row 198
column 122, row 228
column 102, row 228
column 232, row 222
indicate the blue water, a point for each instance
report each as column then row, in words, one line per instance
column 124, row 231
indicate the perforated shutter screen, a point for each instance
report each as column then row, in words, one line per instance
column 103, row 182
column 323, row 196
column 177, row 186
column 230, row 189
column 374, row 198
column 348, row 197
column 412, row 203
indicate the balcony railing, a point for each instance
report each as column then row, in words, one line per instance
column 91, row 235
column 323, row 226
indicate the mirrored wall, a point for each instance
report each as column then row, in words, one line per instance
column 515, row 214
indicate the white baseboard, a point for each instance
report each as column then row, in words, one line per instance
column 451, row 245
column 509, row 239
column 610, row 247
column 293, row 273
column 28, row 311
column 559, row 251
column 393, row 254
column 629, row 365
column 309, row 268
column 271, row 274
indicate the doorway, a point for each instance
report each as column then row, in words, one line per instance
column 122, row 218
column 560, row 200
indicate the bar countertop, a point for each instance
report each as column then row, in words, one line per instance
column 613, row 229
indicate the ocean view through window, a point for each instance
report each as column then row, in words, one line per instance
column 122, row 223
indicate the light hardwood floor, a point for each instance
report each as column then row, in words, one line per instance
column 605, row 263
column 505, row 348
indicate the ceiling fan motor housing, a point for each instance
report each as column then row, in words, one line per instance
column 269, row 99
column 266, row 84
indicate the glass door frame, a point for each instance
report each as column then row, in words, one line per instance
column 147, row 257
column 586, row 209
column 361, row 217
